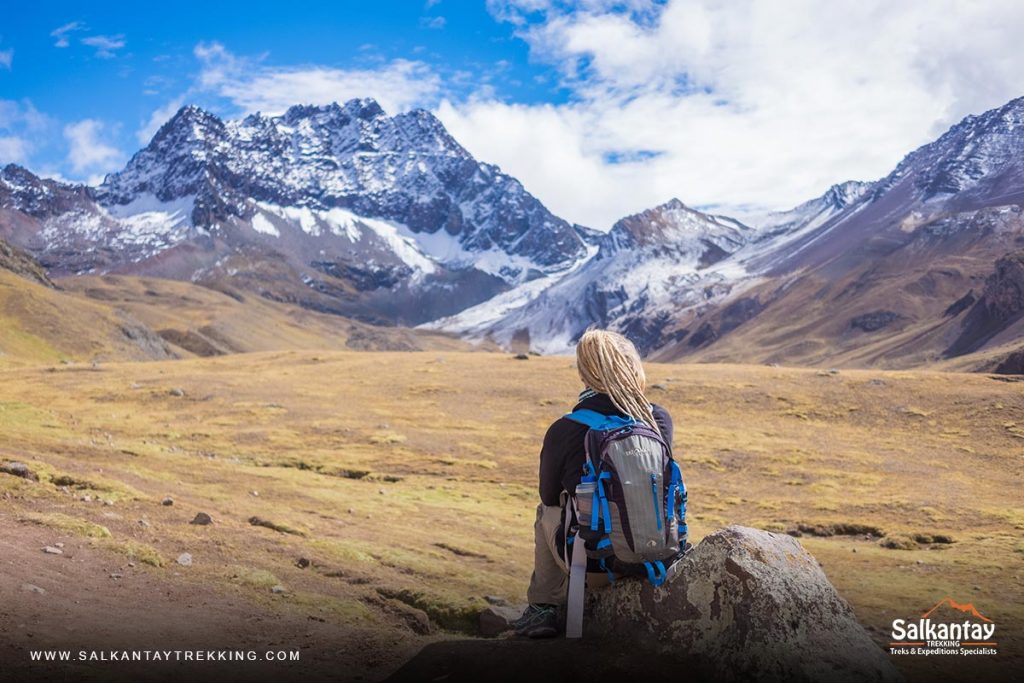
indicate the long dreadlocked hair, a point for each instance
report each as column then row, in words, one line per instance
column 609, row 363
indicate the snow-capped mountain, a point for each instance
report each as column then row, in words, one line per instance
column 905, row 271
column 360, row 212
column 389, row 220
column 680, row 282
column 647, row 269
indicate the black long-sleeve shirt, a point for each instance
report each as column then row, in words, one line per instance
column 564, row 451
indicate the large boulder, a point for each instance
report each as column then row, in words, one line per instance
column 744, row 604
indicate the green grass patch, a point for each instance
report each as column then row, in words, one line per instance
column 68, row 524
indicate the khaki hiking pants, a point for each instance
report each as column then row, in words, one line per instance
column 550, row 581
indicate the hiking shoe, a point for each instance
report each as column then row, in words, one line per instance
column 538, row 621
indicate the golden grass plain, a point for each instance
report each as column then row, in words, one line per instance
column 408, row 479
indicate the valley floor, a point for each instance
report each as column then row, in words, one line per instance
column 407, row 481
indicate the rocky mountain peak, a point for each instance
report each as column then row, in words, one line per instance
column 979, row 153
column 24, row 191
column 841, row 195
column 189, row 124
column 673, row 224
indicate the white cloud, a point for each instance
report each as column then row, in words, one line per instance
column 252, row 86
column 20, row 124
column 436, row 23
column 86, row 151
column 60, row 33
column 13, row 149
column 740, row 103
column 105, row 45
column 6, row 57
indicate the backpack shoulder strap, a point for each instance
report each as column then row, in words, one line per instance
column 597, row 421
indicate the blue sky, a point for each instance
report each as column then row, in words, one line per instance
column 116, row 63
column 601, row 107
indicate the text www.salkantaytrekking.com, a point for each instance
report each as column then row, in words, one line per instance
column 164, row 656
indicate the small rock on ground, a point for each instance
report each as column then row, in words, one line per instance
column 32, row 588
column 497, row 619
column 202, row 519
column 53, row 550
column 18, row 469
column 185, row 559
column 167, row 501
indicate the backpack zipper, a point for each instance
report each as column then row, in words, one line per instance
column 654, row 499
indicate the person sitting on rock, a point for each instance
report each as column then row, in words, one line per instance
column 614, row 384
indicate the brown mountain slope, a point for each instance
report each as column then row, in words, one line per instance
column 20, row 263
column 200, row 321
column 909, row 295
column 39, row 324
column 128, row 318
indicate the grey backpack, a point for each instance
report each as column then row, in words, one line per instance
column 629, row 507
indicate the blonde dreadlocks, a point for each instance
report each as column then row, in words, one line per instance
column 610, row 364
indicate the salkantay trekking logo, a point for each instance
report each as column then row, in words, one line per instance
column 945, row 633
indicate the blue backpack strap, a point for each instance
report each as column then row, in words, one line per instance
column 656, row 573
column 598, row 421
column 674, row 489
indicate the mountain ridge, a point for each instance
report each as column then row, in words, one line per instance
column 339, row 208
column 344, row 209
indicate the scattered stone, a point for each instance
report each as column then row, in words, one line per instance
column 58, row 545
column 497, row 619
column 380, row 491
column 278, row 589
column 117, row 575
column 131, row 564
column 833, row 371
column 254, row 494
column 202, row 519
column 32, row 588
column 185, row 559
column 496, row 600
column 351, row 511
column 659, row 387
column 418, row 621
column 18, row 469
column 302, row 562
column 53, row 550
column 108, row 502
column 144, row 524
column 522, row 356
column 167, row 501
column 177, row 392
column 86, row 498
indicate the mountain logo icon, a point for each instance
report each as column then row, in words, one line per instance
column 967, row 608
column 948, row 628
